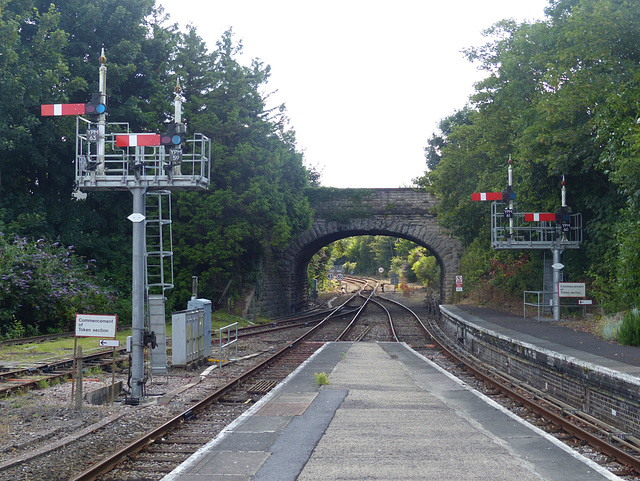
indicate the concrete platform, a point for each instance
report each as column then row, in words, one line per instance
column 388, row 414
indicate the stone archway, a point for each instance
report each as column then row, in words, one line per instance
column 405, row 213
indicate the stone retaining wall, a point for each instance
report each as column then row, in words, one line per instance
column 608, row 395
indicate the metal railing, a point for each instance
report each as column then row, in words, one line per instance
column 231, row 341
column 539, row 304
column 154, row 166
column 516, row 233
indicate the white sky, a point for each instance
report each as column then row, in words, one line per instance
column 365, row 82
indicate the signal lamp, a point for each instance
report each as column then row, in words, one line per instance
column 95, row 107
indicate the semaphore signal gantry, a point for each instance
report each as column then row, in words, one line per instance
column 109, row 157
column 513, row 230
column 530, row 230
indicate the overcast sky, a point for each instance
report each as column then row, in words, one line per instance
column 365, row 82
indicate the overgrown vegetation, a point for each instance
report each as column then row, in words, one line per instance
column 45, row 284
column 629, row 330
column 560, row 98
column 322, row 379
column 339, row 205
column 365, row 255
column 49, row 54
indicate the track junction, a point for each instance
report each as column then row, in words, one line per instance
column 272, row 353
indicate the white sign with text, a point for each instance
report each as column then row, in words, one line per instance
column 572, row 289
column 96, row 325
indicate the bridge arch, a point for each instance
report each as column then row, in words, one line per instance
column 341, row 213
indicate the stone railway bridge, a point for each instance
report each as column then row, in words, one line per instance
column 340, row 213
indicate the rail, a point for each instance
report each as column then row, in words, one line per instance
column 231, row 341
column 540, row 403
column 540, row 304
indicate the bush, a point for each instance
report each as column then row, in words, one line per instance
column 43, row 286
column 629, row 332
column 608, row 328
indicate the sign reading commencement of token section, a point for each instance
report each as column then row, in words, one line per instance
column 572, row 289
column 96, row 325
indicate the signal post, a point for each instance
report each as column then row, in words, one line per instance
column 511, row 230
column 109, row 157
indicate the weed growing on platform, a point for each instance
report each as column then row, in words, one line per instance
column 321, row 378
column 608, row 328
column 629, row 332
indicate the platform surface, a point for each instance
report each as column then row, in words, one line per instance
column 388, row 414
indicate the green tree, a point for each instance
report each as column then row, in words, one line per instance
column 256, row 202
column 561, row 98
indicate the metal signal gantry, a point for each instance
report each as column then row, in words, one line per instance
column 511, row 230
column 109, row 157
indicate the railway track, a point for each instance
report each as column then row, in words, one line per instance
column 43, row 375
column 32, row 339
column 555, row 416
column 159, row 451
column 577, row 427
column 371, row 318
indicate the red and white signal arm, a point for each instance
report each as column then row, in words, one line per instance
column 481, row 196
column 55, row 110
column 138, row 140
column 540, row 217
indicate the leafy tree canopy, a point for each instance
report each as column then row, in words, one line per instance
column 561, row 98
column 48, row 54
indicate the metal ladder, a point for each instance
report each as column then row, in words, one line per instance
column 159, row 242
column 158, row 272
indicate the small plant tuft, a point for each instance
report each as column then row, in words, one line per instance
column 321, row 378
column 629, row 332
column 608, row 328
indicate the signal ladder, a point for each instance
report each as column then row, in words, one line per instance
column 158, row 272
column 159, row 242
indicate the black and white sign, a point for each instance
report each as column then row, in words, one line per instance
column 109, row 343
column 175, row 156
column 92, row 135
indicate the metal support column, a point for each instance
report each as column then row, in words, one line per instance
column 102, row 118
column 557, row 267
column 137, row 294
